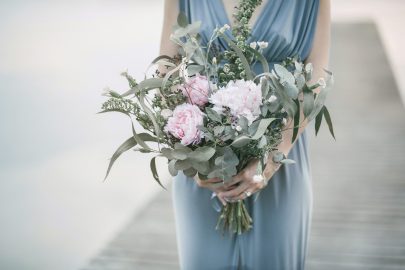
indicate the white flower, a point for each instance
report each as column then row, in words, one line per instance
column 214, row 60
column 224, row 28
column 258, row 178
column 322, row 82
column 308, row 68
column 263, row 44
column 284, row 121
column 253, row 45
column 238, row 128
column 272, row 98
column 243, row 98
column 166, row 113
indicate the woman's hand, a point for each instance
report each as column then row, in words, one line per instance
column 247, row 181
column 214, row 184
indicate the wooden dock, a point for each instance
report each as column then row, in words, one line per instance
column 359, row 180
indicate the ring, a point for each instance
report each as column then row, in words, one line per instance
column 247, row 193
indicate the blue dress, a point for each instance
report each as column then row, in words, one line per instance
column 282, row 213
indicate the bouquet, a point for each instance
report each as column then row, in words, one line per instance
column 208, row 114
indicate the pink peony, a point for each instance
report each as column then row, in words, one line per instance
column 183, row 123
column 196, row 89
column 243, row 98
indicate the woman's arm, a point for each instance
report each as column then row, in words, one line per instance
column 171, row 10
column 319, row 57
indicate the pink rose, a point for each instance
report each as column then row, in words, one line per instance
column 196, row 89
column 183, row 123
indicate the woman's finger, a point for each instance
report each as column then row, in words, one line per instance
column 243, row 195
column 236, row 179
column 213, row 180
column 234, row 192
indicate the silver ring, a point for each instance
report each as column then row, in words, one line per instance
column 247, row 193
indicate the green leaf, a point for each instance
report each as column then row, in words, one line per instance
column 181, row 154
column 182, row 165
column 278, row 156
column 172, row 169
column 243, row 122
column 296, row 121
column 194, row 69
column 287, row 161
column 262, row 143
column 284, row 75
column 308, row 102
column 291, row 90
column 328, row 121
column 138, row 139
column 154, row 171
column 318, row 121
column 125, row 146
column 265, row 87
column 201, row 167
column 190, row 172
column 286, row 101
column 320, row 98
column 241, row 141
column 261, row 58
column 300, row 81
column 182, row 20
column 218, row 130
column 202, row 153
column 262, row 128
column 213, row 115
column 167, row 152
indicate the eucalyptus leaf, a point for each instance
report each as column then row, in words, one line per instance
column 318, row 121
column 218, row 130
column 213, row 115
column 287, row 161
column 262, row 128
column 261, row 58
column 278, row 156
column 182, row 20
column 190, row 172
column 194, row 69
column 167, row 152
column 125, row 146
column 328, row 121
column 154, row 171
column 263, row 142
column 201, row 167
column 308, row 105
column 284, row 74
column 172, row 170
column 180, row 154
column 203, row 153
column 182, row 165
column 241, row 141
column 243, row 122
column 296, row 121
column 265, row 87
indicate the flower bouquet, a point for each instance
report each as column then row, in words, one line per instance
column 208, row 114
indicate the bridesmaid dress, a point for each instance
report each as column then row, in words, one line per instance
column 282, row 213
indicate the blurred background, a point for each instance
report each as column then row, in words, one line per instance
column 55, row 59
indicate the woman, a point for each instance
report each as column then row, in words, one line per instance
column 281, row 214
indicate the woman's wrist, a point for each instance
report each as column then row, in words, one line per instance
column 271, row 167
